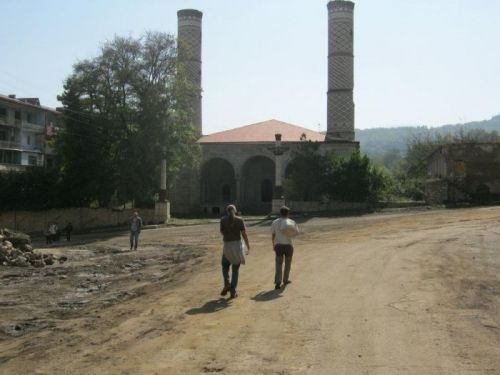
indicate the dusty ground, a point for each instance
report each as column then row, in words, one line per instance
column 393, row 293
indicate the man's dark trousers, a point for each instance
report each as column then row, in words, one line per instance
column 230, row 285
column 286, row 252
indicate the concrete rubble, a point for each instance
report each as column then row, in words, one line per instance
column 16, row 251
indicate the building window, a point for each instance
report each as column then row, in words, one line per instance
column 3, row 112
column 32, row 160
column 3, row 135
column 10, row 157
column 28, row 139
column 17, row 115
column 29, row 117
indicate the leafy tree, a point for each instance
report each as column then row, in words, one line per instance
column 356, row 179
column 306, row 173
column 122, row 110
column 313, row 175
column 34, row 189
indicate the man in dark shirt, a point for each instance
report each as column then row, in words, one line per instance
column 232, row 229
column 135, row 226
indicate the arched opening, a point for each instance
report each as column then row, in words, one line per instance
column 226, row 193
column 257, row 185
column 218, row 183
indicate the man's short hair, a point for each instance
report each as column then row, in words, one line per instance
column 284, row 211
column 231, row 207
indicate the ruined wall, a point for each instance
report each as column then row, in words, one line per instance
column 436, row 191
column 465, row 169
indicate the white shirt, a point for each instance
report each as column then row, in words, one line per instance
column 276, row 230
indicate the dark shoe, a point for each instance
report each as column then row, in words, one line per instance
column 278, row 286
column 287, row 282
column 224, row 291
column 234, row 295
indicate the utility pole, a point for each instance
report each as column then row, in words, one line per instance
column 163, row 178
column 162, row 206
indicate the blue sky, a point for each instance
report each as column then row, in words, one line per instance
column 417, row 62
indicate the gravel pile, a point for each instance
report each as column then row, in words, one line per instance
column 16, row 251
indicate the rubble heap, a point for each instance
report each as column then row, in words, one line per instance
column 16, row 250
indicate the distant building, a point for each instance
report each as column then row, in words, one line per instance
column 25, row 127
column 464, row 171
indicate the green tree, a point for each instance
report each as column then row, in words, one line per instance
column 34, row 189
column 306, row 171
column 356, row 179
column 313, row 175
column 122, row 109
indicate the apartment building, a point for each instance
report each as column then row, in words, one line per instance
column 25, row 128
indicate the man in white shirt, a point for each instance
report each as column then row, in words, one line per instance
column 283, row 229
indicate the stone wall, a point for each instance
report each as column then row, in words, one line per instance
column 81, row 218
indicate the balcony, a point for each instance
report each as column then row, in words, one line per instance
column 32, row 148
column 33, row 127
column 5, row 167
column 6, row 121
column 13, row 145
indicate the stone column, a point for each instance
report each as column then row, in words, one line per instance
column 278, row 198
column 340, row 104
column 238, row 196
column 189, row 35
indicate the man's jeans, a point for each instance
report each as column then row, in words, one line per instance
column 231, row 285
column 134, row 239
column 283, row 251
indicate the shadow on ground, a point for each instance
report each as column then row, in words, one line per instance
column 268, row 296
column 210, row 307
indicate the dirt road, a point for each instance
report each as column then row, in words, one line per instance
column 393, row 293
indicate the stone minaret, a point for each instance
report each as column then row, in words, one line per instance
column 189, row 35
column 340, row 107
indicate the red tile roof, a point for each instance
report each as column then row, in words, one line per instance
column 263, row 132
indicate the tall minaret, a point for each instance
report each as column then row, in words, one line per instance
column 340, row 105
column 189, row 33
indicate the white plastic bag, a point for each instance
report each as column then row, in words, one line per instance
column 289, row 228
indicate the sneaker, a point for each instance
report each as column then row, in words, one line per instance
column 287, row 282
column 278, row 286
column 224, row 291
column 234, row 295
